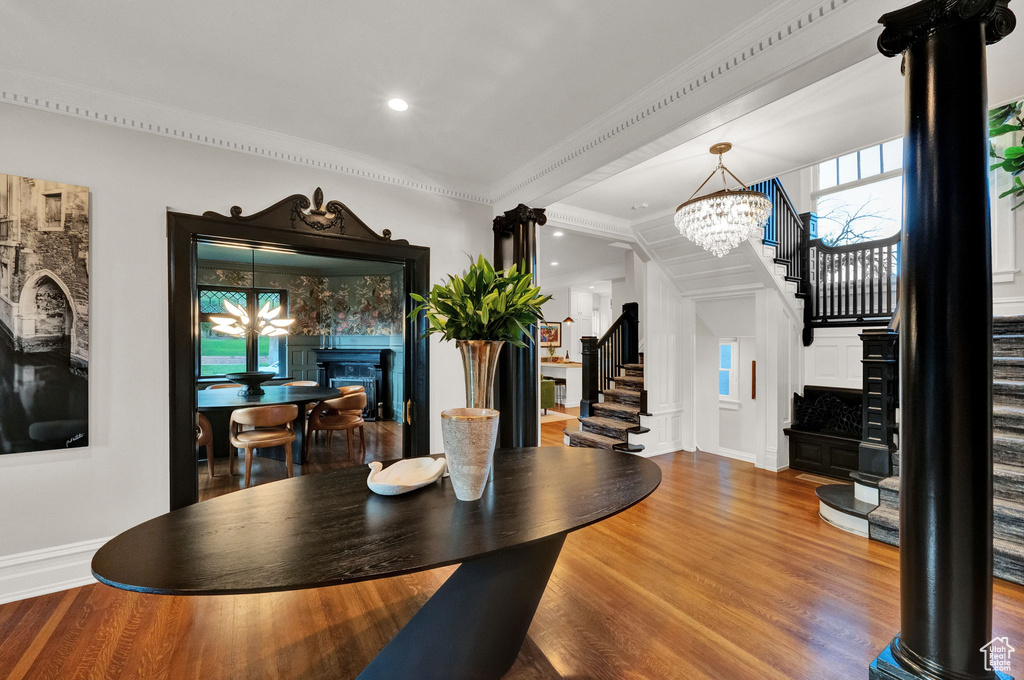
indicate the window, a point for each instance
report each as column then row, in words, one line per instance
column 52, row 212
column 219, row 353
column 859, row 196
column 728, row 370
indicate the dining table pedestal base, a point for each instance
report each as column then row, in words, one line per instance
column 473, row 627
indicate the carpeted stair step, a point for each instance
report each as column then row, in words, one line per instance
column 884, row 524
column 1008, row 345
column 1008, row 325
column 608, row 427
column 590, row 440
column 1008, row 560
column 611, row 427
column 1007, row 421
column 634, row 369
column 889, row 491
column 1008, row 450
column 1008, row 393
column 632, row 382
column 1008, row 520
column 1009, row 482
column 624, row 412
column 632, row 398
column 1008, row 368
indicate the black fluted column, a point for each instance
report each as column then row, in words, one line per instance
column 945, row 341
column 516, row 383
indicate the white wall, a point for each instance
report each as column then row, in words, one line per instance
column 738, row 431
column 834, row 358
column 61, row 503
column 706, row 410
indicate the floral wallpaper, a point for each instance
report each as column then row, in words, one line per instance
column 328, row 305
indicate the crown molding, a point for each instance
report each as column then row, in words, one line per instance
column 702, row 84
column 589, row 222
column 48, row 94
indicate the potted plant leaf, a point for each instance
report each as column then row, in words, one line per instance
column 481, row 311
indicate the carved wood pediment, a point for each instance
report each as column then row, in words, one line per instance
column 297, row 213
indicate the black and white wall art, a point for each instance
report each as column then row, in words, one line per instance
column 44, row 315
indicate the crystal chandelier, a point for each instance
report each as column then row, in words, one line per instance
column 266, row 321
column 720, row 221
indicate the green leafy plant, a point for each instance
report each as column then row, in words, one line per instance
column 1005, row 120
column 483, row 304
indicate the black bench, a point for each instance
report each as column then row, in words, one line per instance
column 826, row 432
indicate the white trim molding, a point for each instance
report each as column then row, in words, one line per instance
column 589, row 222
column 48, row 94
column 38, row 572
column 737, row 455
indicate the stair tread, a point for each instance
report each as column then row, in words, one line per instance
column 596, row 440
column 634, row 393
column 619, row 408
column 610, row 423
column 841, row 497
column 865, row 479
column 636, row 367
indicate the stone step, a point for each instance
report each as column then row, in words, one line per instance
column 1007, row 325
column 590, row 440
column 1008, row 450
column 1007, row 421
column 629, row 382
column 1008, row 482
column 632, row 398
column 1008, row 393
column 1008, row 345
column 624, row 412
column 608, row 427
column 1008, row 368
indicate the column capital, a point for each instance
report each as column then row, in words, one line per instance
column 905, row 27
column 521, row 214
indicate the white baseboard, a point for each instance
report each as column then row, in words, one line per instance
column 1007, row 306
column 732, row 453
column 49, row 570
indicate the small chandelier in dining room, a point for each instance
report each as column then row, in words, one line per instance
column 239, row 323
column 720, row 221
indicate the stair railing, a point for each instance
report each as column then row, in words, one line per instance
column 856, row 284
column 603, row 357
column 785, row 229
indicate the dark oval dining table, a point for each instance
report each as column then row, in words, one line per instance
column 219, row 404
column 330, row 529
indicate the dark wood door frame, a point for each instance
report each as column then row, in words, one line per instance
column 331, row 230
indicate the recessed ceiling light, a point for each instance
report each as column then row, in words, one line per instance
column 554, row 264
column 591, row 288
column 397, row 104
column 557, row 233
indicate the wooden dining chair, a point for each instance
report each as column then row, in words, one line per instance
column 301, row 383
column 272, row 426
column 339, row 413
column 204, row 438
column 221, row 386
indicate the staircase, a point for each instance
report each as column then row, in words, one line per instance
column 1008, row 457
column 612, row 420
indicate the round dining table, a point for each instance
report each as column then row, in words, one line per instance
column 218, row 405
column 330, row 529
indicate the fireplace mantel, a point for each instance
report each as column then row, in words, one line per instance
column 369, row 367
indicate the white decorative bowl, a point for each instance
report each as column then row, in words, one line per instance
column 404, row 476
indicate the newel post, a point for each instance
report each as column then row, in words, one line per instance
column 591, row 390
column 631, row 334
column 945, row 341
column 517, row 384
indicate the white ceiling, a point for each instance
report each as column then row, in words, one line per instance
column 581, row 259
column 856, row 107
column 491, row 85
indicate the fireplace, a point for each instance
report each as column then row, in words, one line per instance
column 370, row 368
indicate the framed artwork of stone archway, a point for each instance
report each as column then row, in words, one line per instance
column 44, row 315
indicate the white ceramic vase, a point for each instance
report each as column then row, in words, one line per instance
column 469, row 437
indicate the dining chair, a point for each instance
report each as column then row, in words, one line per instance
column 272, row 426
column 301, row 383
column 339, row 413
column 204, row 438
column 221, row 386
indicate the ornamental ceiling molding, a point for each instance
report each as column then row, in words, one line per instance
column 588, row 221
column 142, row 116
column 743, row 46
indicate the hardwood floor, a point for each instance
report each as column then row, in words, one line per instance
column 725, row 572
column 383, row 442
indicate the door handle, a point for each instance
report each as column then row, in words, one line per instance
column 407, row 414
